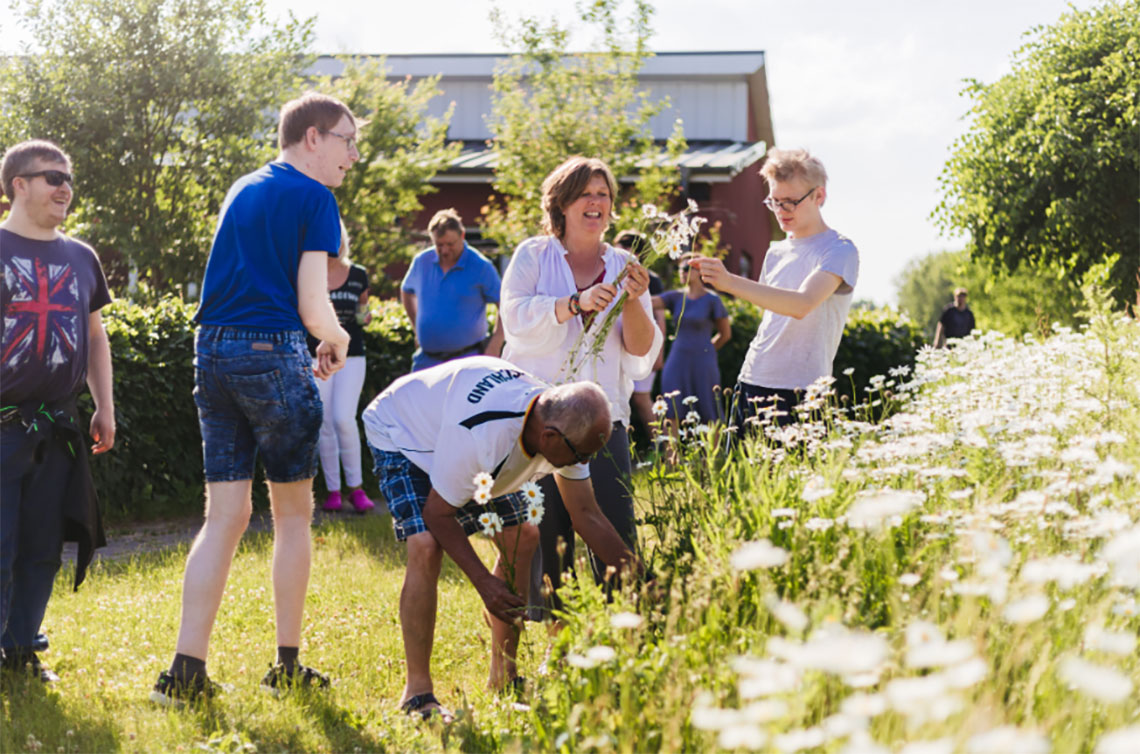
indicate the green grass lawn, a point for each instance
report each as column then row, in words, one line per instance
column 110, row 640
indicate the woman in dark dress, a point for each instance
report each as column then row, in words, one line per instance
column 691, row 366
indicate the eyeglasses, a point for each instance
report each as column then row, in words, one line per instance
column 577, row 456
column 53, row 177
column 349, row 141
column 787, row 204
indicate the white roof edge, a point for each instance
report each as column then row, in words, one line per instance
column 482, row 65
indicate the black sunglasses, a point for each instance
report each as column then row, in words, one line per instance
column 53, row 177
column 577, row 456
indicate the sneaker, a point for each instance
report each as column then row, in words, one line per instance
column 29, row 663
column 169, row 691
column 278, row 680
column 361, row 502
column 332, row 502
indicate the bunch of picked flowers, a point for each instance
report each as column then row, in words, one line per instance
column 666, row 235
column 492, row 523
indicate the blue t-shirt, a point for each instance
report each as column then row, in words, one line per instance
column 451, row 308
column 268, row 218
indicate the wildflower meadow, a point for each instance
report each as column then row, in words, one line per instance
column 952, row 566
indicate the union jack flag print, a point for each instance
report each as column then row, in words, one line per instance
column 41, row 319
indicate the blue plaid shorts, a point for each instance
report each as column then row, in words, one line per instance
column 405, row 486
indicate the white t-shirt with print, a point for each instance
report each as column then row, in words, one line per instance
column 460, row 418
column 790, row 353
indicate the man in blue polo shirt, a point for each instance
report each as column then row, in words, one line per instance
column 445, row 294
column 265, row 285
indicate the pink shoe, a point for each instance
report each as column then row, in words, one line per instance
column 361, row 502
column 332, row 502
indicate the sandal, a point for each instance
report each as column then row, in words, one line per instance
column 418, row 704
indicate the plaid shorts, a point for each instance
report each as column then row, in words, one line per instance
column 405, row 486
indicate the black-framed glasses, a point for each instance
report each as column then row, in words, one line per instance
column 577, row 456
column 349, row 141
column 787, row 205
column 53, row 177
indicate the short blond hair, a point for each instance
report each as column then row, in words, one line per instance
column 445, row 220
column 342, row 255
column 565, row 184
column 789, row 164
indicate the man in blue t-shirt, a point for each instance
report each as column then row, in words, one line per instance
column 51, row 341
column 445, row 294
column 265, row 286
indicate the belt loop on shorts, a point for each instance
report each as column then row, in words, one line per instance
column 277, row 337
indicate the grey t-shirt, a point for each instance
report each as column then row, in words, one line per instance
column 788, row 353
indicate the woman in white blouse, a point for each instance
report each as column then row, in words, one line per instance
column 554, row 285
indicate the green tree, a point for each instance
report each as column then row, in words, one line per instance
column 1047, row 172
column 162, row 105
column 549, row 105
column 1027, row 300
column 401, row 150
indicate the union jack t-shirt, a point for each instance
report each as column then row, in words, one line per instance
column 48, row 291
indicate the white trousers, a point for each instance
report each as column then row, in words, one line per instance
column 340, row 437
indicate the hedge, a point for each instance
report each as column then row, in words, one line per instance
column 155, row 468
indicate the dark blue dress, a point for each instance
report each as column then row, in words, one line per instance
column 691, row 365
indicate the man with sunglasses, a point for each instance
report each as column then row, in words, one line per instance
column 805, row 288
column 52, row 341
column 431, row 433
column 265, row 286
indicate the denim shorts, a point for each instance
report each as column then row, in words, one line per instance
column 405, row 486
column 256, row 393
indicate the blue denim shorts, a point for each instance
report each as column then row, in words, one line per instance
column 406, row 486
column 256, row 393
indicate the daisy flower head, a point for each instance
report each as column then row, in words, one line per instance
column 689, row 400
column 660, row 407
column 483, row 479
column 491, row 523
column 482, row 495
column 534, row 512
column 532, row 492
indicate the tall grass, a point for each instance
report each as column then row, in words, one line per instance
column 961, row 575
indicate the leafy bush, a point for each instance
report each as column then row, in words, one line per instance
column 155, row 468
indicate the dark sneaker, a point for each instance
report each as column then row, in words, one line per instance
column 169, row 691
column 278, row 680
column 29, row 663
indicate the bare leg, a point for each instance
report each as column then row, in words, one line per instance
column 417, row 610
column 292, row 505
column 517, row 545
column 208, row 565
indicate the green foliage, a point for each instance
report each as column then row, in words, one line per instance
column 1030, row 299
column 1047, row 172
column 155, row 468
column 401, row 150
column 549, row 105
column 162, row 104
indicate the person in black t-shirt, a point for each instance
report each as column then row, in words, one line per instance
column 957, row 321
column 340, row 393
column 52, row 341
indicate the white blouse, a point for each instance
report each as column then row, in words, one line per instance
column 537, row 342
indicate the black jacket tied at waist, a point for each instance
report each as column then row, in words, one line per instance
column 56, row 425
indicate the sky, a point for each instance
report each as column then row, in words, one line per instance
column 870, row 86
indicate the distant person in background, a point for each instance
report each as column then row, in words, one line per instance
column 446, row 292
column 642, row 400
column 805, row 289
column 691, row 368
column 340, row 393
column 53, row 341
column 957, row 321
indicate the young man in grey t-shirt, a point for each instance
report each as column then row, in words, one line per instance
column 805, row 288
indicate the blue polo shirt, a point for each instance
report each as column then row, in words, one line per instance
column 451, row 308
column 268, row 218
